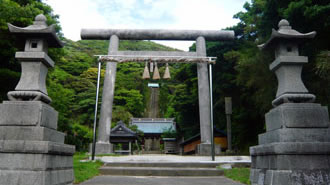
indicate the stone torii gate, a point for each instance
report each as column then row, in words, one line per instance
column 103, row 144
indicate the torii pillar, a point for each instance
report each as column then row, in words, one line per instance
column 204, row 101
column 200, row 36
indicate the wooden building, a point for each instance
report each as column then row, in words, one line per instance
column 122, row 138
column 170, row 145
column 189, row 146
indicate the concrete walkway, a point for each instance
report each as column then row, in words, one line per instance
column 130, row 180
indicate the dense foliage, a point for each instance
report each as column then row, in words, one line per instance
column 241, row 71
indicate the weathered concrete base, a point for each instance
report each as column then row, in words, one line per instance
column 28, row 113
column 292, row 151
column 295, row 135
column 58, row 177
column 35, row 162
column 32, row 151
column 297, row 115
column 296, row 177
column 291, row 163
column 101, row 148
column 31, row 134
column 205, row 149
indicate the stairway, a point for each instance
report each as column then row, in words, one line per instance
column 153, row 104
column 161, row 169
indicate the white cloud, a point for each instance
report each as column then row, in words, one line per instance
column 167, row 14
column 75, row 16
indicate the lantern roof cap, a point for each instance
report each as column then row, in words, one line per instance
column 39, row 29
column 285, row 32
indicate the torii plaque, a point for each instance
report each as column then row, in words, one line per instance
column 103, row 145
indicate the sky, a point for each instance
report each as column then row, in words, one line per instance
column 146, row 14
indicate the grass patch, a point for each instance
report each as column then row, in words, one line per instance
column 238, row 174
column 84, row 170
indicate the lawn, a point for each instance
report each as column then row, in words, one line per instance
column 238, row 174
column 84, row 170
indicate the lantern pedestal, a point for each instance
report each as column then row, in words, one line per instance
column 296, row 147
column 32, row 151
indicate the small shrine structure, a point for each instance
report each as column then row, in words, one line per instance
column 124, row 136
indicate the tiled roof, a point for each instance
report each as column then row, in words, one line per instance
column 122, row 131
column 154, row 125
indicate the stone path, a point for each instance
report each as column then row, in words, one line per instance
column 130, row 180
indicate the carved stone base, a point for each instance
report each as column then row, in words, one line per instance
column 296, row 177
column 35, row 162
column 297, row 115
column 294, row 163
column 294, row 98
column 295, row 150
column 28, row 96
column 32, row 151
column 28, row 113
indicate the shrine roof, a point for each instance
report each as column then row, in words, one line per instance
column 154, row 125
column 120, row 130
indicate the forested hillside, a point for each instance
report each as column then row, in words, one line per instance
column 72, row 86
column 241, row 71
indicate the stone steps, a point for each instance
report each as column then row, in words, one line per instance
column 141, row 168
column 163, row 164
column 168, row 168
column 176, row 164
column 160, row 171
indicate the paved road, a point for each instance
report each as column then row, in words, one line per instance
column 129, row 180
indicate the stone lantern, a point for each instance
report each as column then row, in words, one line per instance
column 288, row 64
column 32, row 151
column 34, row 60
column 296, row 146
